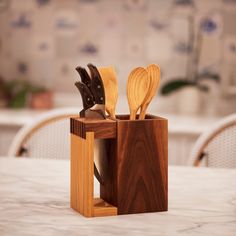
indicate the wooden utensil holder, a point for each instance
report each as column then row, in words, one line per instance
column 137, row 177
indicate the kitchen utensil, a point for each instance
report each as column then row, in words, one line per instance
column 137, row 89
column 154, row 77
column 92, row 93
column 109, row 80
column 86, row 95
column 97, row 87
column 93, row 99
column 85, row 78
column 101, row 159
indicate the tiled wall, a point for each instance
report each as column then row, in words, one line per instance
column 43, row 40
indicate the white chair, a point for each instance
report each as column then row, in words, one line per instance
column 46, row 137
column 217, row 146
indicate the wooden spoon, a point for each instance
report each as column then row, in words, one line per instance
column 137, row 88
column 110, row 83
column 154, row 77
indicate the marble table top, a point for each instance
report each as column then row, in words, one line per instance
column 34, row 200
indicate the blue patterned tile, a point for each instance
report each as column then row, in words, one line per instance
column 88, row 1
column 182, row 48
column 127, row 31
column 63, row 23
column 4, row 4
column 157, row 25
column 232, row 47
column 208, row 25
column 22, row 67
column 89, row 49
column 184, row 2
column 135, row 5
column 21, row 22
column 42, row 2
column 229, row 1
column 43, row 46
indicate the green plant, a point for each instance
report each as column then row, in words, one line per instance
column 16, row 92
column 3, row 95
column 178, row 83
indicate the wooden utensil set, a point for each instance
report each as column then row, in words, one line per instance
column 126, row 153
column 142, row 86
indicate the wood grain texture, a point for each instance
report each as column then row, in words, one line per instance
column 140, row 181
column 88, row 172
column 154, row 77
column 137, row 179
column 82, row 179
column 102, row 208
column 82, row 170
column 100, row 128
column 108, row 191
column 110, row 83
column 136, row 89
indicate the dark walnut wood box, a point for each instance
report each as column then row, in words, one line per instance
column 137, row 177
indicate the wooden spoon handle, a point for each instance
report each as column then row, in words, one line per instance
column 111, row 113
column 143, row 111
column 132, row 115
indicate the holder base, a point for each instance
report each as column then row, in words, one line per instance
column 82, row 179
column 102, row 208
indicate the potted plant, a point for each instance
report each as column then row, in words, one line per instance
column 189, row 97
column 16, row 93
column 20, row 93
column 3, row 95
column 190, row 87
column 41, row 98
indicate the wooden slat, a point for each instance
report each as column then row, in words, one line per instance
column 88, row 170
column 79, row 175
column 102, row 208
column 82, row 179
column 100, row 128
column 82, row 174
column 74, row 167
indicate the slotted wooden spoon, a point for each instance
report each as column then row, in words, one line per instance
column 110, row 83
column 154, row 77
column 137, row 88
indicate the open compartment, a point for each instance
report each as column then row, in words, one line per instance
column 84, row 132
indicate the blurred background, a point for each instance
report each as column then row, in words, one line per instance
column 193, row 42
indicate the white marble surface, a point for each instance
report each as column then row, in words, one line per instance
column 34, row 200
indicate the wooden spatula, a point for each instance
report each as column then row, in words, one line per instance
column 110, row 83
column 137, row 88
column 154, row 77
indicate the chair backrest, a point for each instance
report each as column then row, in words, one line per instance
column 217, row 146
column 46, row 137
